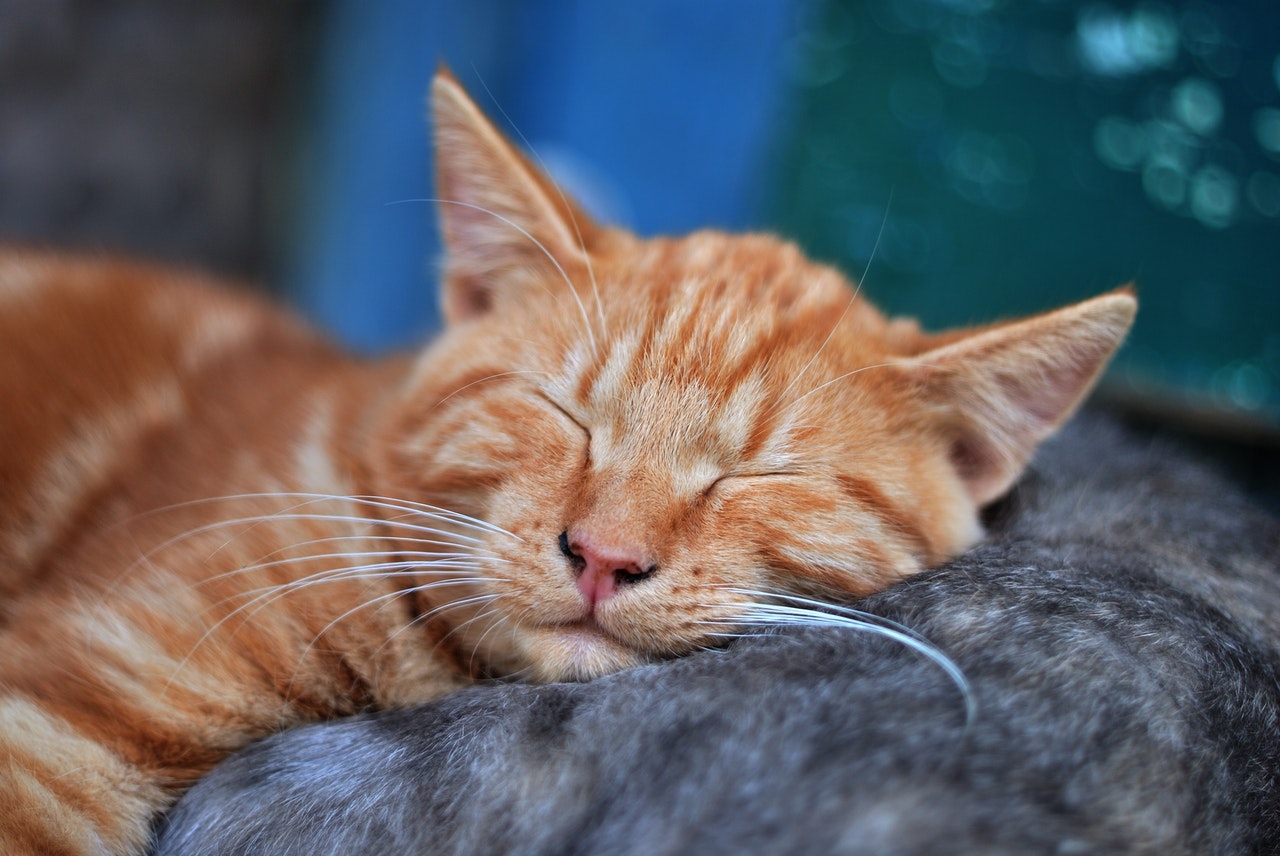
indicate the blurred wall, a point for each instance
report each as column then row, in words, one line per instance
column 144, row 126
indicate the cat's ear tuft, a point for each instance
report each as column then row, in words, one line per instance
column 1005, row 388
column 504, row 223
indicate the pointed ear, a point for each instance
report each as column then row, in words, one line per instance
column 1007, row 387
column 502, row 219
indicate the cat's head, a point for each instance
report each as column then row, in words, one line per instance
column 646, row 427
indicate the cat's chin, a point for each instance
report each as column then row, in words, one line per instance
column 576, row 651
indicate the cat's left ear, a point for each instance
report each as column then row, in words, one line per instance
column 504, row 223
column 1003, row 389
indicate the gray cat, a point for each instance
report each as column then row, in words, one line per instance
column 1119, row 632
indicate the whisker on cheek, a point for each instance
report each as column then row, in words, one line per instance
column 458, row 604
column 370, row 572
column 253, row 522
column 443, row 608
column 467, row 550
column 408, row 561
column 411, row 520
column 796, row 611
column 381, row 599
column 263, row 597
column 301, row 499
column 479, row 643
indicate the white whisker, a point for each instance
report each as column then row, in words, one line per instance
column 826, row 384
column 441, row 565
column 542, row 247
column 264, row 597
column 412, row 507
column 455, row 604
column 423, row 587
column 486, row 379
column 468, row 601
column 853, row 299
column 803, row 611
column 371, row 571
column 475, row 648
column 434, row 611
column 382, row 598
column 252, row 522
column 478, row 553
column 405, row 506
column 577, row 229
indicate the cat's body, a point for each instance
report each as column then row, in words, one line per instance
column 215, row 525
column 141, row 398
column 1119, row 630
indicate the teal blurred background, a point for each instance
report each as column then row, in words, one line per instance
column 974, row 158
column 1037, row 152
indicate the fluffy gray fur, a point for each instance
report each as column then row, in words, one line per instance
column 1120, row 631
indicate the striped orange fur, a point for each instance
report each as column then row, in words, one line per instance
column 213, row 524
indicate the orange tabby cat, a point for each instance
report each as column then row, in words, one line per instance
column 214, row 525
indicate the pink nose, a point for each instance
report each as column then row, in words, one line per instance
column 603, row 568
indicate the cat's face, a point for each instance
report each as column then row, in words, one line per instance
column 651, row 430
column 687, row 435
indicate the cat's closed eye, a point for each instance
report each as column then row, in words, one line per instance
column 745, row 479
column 577, row 421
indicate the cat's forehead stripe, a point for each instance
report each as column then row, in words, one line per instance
column 742, row 418
column 634, row 399
column 615, row 368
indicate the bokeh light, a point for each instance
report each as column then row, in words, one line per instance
column 1019, row 155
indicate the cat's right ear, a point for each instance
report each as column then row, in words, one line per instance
column 505, row 225
column 1006, row 387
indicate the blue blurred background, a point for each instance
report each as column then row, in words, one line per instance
column 975, row 158
column 662, row 116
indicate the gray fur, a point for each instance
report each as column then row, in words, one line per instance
column 1120, row 629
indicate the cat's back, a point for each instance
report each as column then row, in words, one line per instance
column 98, row 358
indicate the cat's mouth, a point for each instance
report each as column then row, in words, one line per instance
column 578, row 650
column 583, row 627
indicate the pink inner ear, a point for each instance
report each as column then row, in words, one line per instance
column 505, row 226
column 979, row 468
column 1011, row 386
column 466, row 297
column 1009, row 406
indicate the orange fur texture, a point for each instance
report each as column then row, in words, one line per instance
column 214, row 525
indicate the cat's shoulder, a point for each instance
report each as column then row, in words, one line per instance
column 89, row 326
column 98, row 355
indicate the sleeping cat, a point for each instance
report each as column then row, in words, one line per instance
column 214, row 525
column 1119, row 629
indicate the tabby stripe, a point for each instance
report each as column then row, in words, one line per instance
column 874, row 500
